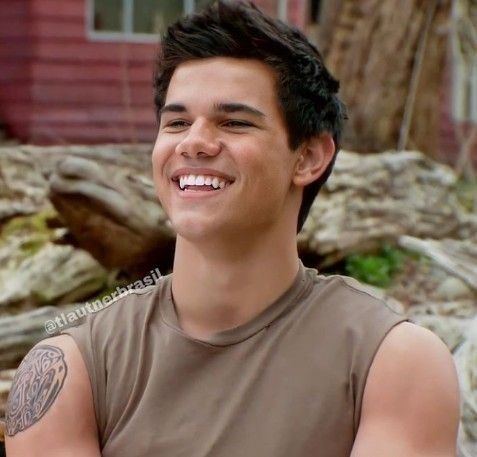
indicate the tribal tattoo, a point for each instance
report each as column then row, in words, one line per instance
column 36, row 384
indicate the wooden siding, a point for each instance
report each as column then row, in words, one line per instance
column 15, row 57
column 58, row 86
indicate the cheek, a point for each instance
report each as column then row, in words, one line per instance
column 163, row 149
column 271, row 164
column 264, row 178
column 159, row 175
column 156, row 165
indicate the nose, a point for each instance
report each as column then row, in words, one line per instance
column 200, row 140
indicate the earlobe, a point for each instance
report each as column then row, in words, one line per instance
column 313, row 159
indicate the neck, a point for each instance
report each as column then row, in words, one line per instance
column 217, row 287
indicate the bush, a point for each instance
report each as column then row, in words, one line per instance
column 377, row 269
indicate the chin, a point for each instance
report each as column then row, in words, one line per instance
column 192, row 229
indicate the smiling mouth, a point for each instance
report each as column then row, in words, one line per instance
column 203, row 188
column 208, row 184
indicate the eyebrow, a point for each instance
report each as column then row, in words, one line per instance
column 172, row 108
column 218, row 107
column 236, row 108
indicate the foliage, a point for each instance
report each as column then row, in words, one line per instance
column 467, row 194
column 376, row 269
column 35, row 223
column 24, row 236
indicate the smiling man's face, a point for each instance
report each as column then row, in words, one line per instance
column 221, row 124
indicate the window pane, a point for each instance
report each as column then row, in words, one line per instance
column 315, row 11
column 108, row 15
column 153, row 16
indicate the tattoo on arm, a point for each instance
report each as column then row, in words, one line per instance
column 36, row 384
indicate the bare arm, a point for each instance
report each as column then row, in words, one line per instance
column 50, row 407
column 411, row 399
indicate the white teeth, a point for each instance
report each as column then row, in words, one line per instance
column 200, row 180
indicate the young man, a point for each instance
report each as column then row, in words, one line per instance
column 241, row 351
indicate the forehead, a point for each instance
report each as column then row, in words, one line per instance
column 222, row 79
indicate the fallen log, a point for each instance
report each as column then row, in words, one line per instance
column 458, row 257
column 19, row 333
column 58, row 274
column 106, row 197
column 25, row 169
column 113, row 213
column 376, row 198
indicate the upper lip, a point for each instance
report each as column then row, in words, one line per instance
column 201, row 171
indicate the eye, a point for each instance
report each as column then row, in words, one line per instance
column 237, row 124
column 176, row 124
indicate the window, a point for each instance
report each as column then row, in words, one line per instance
column 137, row 19
column 315, row 10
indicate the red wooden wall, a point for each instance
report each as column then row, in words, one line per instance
column 15, row 57
column 57, row 86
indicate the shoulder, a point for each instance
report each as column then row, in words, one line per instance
column 119, row 308
column 50, row 390
column 349, row 296
column 133, row 301
column 350, row 285
column 100, row 333
column 412, row 386
column 356, row 313
column 56, row 360
column 409, row 347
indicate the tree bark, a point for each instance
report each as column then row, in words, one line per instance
column 458, row 257
column 372, row 46
column 114, row 213
column 375, row 198
column 367, row 200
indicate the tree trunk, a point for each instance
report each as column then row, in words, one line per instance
column 389, row 56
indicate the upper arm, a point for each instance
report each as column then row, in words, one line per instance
column 411, row 399
column 50, row 405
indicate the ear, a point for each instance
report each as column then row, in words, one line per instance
column 314, row 158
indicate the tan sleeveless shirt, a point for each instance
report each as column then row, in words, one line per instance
column 287, row 383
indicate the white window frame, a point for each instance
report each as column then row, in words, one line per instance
column 127, row 35
column 282, row 12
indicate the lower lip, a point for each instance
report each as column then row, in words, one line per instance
column 198, row 193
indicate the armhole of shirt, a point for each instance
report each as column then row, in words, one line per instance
column 82, row 336
column 385, row 322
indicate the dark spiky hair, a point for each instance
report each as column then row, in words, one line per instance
column 306, row 91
